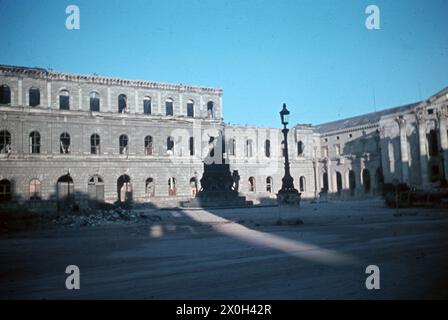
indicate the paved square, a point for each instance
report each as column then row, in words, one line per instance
column 237, row 254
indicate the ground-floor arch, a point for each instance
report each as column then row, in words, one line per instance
column 95, row 189
column 338, row 182
column 65, row 189
column 352, row 182
column 193, row 186
column 325, row 182
column 124, row 188
column 366, row 180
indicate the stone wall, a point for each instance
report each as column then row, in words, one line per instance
column 351, row 159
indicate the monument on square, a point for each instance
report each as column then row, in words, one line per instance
column 288, row 198
column 219, row 185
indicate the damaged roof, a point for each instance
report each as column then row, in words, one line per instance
column 364, row 119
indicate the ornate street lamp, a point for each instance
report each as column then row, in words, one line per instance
column 287, row 194
column 284, row 115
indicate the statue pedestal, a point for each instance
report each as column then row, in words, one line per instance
column 288, row 207
column 217, row 190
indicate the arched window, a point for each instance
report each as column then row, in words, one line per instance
column 5, row 191
column 172, row 187
column 269, row 184
column 122, row 103
column 210, row 111
column 123, row 141
column 147, row 105
column 94, row 102
column 300, row 148
column 267, row 148
column 190, row 109
column 64, row 100
column 169, row 107
column 95, row 144
column 64, row 143
column 148, row 146
column 35, row 190
column 34, row 142
column 249, row 148
column 5, row 141
column 5, row 94
column 302, row 184
column 150, row 187
column 34, row 97
column 251, row 184
column 191, row 142
column 170, row 145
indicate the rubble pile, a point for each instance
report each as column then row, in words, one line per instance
column 102, row 217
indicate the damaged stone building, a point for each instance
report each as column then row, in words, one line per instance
column 94, row 139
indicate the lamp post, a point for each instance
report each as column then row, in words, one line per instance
column 287, row 195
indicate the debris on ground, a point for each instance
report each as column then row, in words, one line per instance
column 17, row 221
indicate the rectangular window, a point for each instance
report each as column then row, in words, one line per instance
column 191, row 146
column 169, row 108
column 147, row 106
column 34, row 97
column 232, row 147
column 95, row 104
column 64, row 102
column 190, row 110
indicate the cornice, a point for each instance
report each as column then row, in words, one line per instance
column 110, row 81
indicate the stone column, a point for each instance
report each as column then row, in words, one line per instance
column 159, row 102
column 384, row 153
column 19, row 93
column 109, row 101
column 362, row 166
column 330, row 176
column 80, row 99
column 316, row 178
column 49, row 100
column 201, row 102
column 181, row 106
column 403, row 150
column 137, row 106
column 442, row 116
column 421, row 122
column 218, row 111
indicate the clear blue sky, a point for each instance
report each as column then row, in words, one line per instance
column 317, row 56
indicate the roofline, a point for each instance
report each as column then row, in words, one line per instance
column 62, row 76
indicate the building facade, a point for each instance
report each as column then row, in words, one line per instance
column 93, row 139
